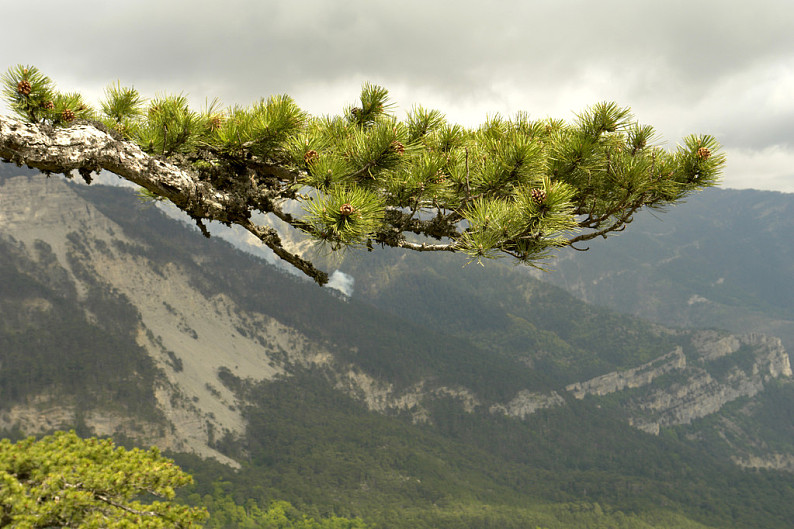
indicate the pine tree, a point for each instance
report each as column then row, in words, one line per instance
column 62, row 480
column 511, row 187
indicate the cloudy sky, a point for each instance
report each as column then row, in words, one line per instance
column 719, row 67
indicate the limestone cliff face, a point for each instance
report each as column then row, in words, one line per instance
column 632, row 378
column 526, row 403
column 678, row 387
column 718, row 369
column 382, row 396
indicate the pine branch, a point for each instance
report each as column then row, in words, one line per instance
column 86, row 148
column 424, row 247
column 515, row 187
column 270, row 237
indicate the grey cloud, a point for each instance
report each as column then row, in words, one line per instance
column 676, row 63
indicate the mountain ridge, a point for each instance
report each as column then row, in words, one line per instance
column 721, row 259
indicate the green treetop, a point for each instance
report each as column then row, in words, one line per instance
column 65, row 481
column 511, row 187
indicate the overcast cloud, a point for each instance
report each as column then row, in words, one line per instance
column 719, row 67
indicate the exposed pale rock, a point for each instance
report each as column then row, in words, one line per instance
column 702, row 392
column 632, row 378
column 711, row 345
column 382, row 396
column 526, row 403
column 772, row 461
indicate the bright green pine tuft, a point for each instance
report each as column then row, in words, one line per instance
column 345, row 216
column 171, row 126
column 28, row 92
column 121, row 107
column 62, row 480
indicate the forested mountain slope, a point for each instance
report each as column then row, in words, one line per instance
column 438, row 395
column 724, row 258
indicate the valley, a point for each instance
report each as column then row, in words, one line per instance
column 439, row 394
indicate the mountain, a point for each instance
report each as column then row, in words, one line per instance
column 722, row 259
column 437, row 395
column 658, row 377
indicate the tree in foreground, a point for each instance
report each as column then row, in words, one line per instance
column 65, row 481
column 511, row 187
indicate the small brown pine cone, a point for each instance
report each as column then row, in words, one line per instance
column 539, row 196
column 49, row 105
column 67, row 115
column 24, row 87
column 216, row 121
column 704, row 153
column 347, row 209
column 310, row 157
column 398, row 147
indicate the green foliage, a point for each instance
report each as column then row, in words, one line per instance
column 28, row 92
column 511, row 187
column 225, row 513
column 535, row 225
column 32, row 96
column 348, row 214
column 374, row 104
column 171, row 126
column 65, row 481
column 261, row 129
column 121, row 103
column 121, row 107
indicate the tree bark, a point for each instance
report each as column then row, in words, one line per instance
column 89, row 147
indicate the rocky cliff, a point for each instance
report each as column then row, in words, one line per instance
column 719, row 368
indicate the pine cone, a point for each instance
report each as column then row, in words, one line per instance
column 216, row 121
column 67, row 115
column 398, row 147
column 347, row 209
column 24, row 87
column 49, row 105
column 310, row 157
column 704, row 153
column 539, row 196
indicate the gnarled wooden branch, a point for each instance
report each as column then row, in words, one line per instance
column 85, row 148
